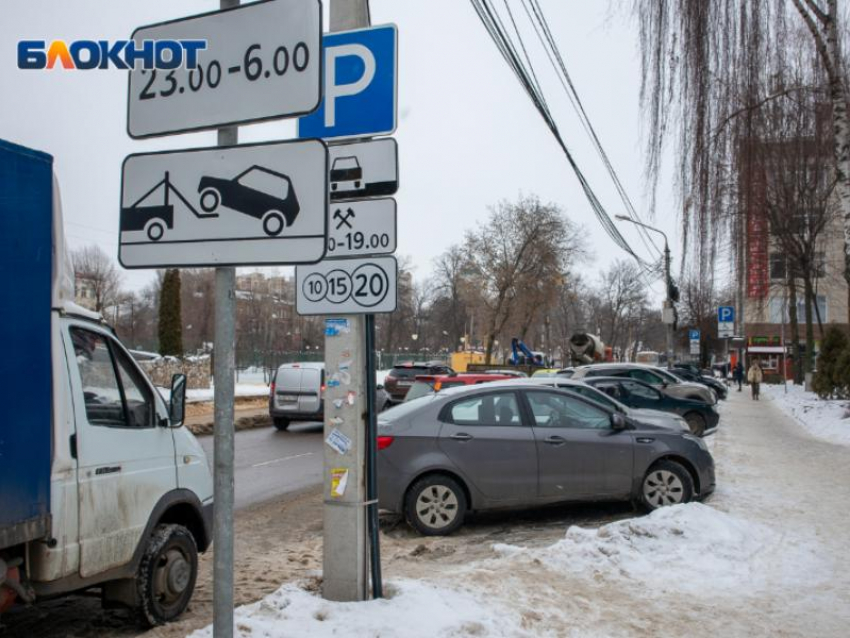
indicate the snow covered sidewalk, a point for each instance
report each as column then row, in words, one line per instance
column 825, row 419
column 766, row 555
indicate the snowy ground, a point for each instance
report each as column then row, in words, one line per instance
column 250, row 384
column 828, row 420
column 766, row 555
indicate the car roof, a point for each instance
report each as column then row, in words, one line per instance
column 316, row 365
column 592, row 380
column 511, row 384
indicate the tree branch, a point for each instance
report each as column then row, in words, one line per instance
column 820, row 13
column 761, row 103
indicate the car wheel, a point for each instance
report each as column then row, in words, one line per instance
column 435, row 505
column 281, row 423
column 666, row 483
column 696, row 422
column 210, row 199
column 155, row 230
column 273, row 223
column 166, row 577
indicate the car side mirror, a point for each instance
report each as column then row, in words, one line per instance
column 618, row 422
column 177, row 404
column 380, row 386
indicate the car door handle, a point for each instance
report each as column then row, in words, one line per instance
column 461, row 436
column 555, row 440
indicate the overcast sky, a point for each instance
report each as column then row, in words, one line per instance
column 468, row 135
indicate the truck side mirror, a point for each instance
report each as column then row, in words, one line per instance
column 177, row 405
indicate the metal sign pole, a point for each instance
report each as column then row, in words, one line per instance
column 223, row 444
column 372, row 461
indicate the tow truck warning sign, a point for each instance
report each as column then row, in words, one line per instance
column 243, row 205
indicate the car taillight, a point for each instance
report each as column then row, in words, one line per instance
column 322, row 389
column 385, row 441
column 271, row 389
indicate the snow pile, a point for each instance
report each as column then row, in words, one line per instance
column 381, row 376
column 413, row 609
column 241, row 390
column 825, row 419
column 692, row 547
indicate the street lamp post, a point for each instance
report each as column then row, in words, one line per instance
column 668, row 303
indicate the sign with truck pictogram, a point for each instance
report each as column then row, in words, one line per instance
column 254, row 204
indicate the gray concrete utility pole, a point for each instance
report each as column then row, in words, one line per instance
column 223, row 443
column 345, row 564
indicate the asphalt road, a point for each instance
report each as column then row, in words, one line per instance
column 271, row 463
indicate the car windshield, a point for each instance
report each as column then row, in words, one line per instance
column 266, row 182
column 669, row 378
column 344, row 163
column 419, row 389
column 404, row 409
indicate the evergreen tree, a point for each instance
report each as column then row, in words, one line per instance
column 827, row 377
column 170, row 316
column 843, row 373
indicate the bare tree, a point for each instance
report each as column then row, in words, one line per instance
column 97, row 269
column 708, row 68
column 520, row 243
column 623, row 296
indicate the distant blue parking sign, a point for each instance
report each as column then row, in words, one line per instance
column 726, row 314
column 693, row 335
column 360, row 71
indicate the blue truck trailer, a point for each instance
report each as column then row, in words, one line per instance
column 26, row 219
column 101, row 488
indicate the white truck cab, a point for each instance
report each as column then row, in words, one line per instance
column 103, row 487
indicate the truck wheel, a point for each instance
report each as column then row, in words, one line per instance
column 155, row 230
column 281, row 423
column 273, row 223
column 166, row 577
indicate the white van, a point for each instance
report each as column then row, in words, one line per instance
column 297, row 393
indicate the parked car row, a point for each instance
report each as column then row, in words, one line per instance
column 450, row 443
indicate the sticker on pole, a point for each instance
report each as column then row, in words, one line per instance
column 365, row 227
column 347, row 287
column 241, row 205
column 261, row 61
column 364, row 169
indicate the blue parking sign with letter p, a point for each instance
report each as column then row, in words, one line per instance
column 360, row 85
column 726, row 314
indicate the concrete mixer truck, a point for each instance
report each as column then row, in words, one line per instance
column 588, row 348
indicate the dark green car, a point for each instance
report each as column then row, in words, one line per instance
column 702, row 418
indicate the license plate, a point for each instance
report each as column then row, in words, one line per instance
column 400, row 383
column 288, row 398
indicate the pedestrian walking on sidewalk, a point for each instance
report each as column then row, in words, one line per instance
column 755, row 376
column 738, row 374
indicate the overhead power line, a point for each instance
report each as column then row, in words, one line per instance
column 523, row 69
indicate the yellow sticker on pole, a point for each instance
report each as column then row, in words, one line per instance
column 339, row 481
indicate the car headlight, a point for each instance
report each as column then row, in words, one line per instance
column 697, row 440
